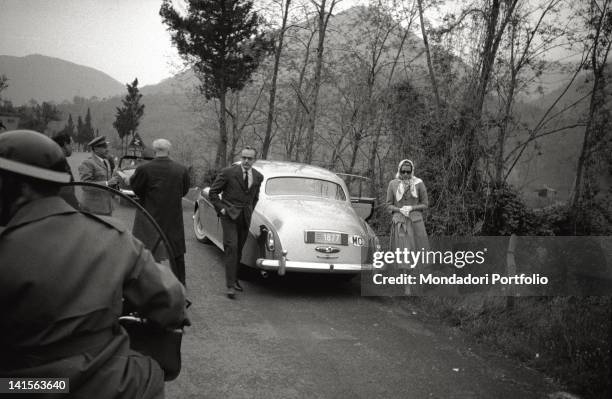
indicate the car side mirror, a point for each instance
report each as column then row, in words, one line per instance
column 205, row 192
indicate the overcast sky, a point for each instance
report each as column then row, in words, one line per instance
column 123, row 38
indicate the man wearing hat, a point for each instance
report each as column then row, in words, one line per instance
column 65, row 277
column 98, row 170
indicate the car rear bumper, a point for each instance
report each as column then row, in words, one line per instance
column 129, row 193
column 310, row 267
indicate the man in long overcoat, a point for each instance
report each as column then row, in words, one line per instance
column 97, row 169
column 239, row 186
column 160, row 186
column 63, row 278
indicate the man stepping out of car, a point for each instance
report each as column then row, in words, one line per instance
column 239, row 188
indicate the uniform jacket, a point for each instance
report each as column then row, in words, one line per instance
column 160, row 186
column 94, row 200
column 236, row 198
column 62, row 279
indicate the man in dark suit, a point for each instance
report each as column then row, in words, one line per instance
column 239, row 186
column 160, row 186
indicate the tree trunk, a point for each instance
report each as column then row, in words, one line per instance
column 471, row 116
column 312, row 114
column 297, row 122
column 355, row 150
column 432, row 76
column 279, row 48
column 597, row 124
column 597, row 101
column 501, row 138
column 221, row 158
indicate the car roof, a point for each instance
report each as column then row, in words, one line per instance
column 148, row 158
column 285, row 168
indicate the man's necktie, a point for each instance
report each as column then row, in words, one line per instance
column 246, row 179
column 107, row 166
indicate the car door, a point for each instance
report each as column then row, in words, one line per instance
column 363, row 206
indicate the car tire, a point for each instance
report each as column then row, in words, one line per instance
column 198, row 229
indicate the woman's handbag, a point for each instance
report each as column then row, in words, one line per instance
column 160, row 343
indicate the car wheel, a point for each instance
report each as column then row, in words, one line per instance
column 198, row 229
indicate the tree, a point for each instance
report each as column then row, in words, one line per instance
column 69, row 128
column 128, row 116
column 221, row 40
column 598, row 17
column 85, row 131
column 267, row 141
column 36, row 117
column 3, row 82
column 88, row 130
column 323, row 15
column 80, row 136
column 432, row 75
column 486, row 20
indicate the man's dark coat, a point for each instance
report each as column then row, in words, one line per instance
column 160, row 186
column 236, row 196
column 63, row 277
column 238, row 200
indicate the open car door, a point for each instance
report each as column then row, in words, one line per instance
column 364, row 206
column 164, row 345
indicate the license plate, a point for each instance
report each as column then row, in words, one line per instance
column 327, row 238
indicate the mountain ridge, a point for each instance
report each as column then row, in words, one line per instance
column 52, row 79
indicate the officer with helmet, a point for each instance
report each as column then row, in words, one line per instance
column 63, row 277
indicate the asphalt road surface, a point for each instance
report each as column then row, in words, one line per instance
column 304, row 336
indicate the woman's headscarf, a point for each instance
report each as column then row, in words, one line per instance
column 406, row 185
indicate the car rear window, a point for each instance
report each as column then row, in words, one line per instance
column 306, row 187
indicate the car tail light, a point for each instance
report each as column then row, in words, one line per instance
column 270, row 241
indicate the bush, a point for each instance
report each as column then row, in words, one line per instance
column 564, row 337
column 508, row 215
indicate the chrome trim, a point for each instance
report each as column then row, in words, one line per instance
column 289, row 265
column 128, row 192
column 282, row 264
column 327, row 250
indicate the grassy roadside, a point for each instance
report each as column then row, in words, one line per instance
column 566, row 338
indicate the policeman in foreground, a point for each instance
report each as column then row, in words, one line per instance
column 63, row 276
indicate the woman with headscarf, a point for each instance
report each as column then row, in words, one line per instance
column 406, row 198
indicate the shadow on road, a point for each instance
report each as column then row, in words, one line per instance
column 303, row 284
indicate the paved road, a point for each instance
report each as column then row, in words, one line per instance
column 309, row 337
